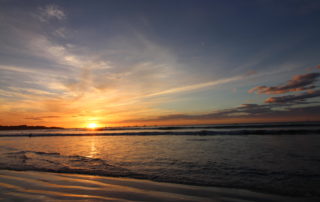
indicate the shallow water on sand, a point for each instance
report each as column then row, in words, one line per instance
column 45, row 186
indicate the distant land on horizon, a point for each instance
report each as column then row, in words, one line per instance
column 25, row 127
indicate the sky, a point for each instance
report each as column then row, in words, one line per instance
column 160, row 62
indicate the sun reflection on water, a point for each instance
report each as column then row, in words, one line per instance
column 93, row 149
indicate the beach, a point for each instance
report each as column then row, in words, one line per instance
column 269, row 166
column 46, row 186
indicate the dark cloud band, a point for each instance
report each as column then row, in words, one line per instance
column 297, row 83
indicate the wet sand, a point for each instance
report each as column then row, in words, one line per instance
column 45, row 186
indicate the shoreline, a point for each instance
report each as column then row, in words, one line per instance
column 43, row 186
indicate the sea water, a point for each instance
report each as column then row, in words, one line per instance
column 282, row 159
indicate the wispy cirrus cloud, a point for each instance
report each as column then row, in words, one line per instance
column 297, row 83
column 197, row 86
column 51, row 12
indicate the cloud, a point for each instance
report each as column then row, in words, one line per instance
column 243, row 110
column 17, row 69
column 297, row 83
column 63, row 55
column 51, row 12
column 251, row 72
column 61, row 32
column 294, row 98
column 42, row 117
column 197, row 86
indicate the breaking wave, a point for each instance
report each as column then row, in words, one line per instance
column 55, row 162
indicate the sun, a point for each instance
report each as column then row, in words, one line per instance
column 92, row 126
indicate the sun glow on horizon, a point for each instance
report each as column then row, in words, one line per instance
column 92, row 126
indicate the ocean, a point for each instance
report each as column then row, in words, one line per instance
column 278, row 158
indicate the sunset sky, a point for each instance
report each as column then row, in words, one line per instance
column 135, row 62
